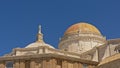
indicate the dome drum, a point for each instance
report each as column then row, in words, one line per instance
column 71, row 36
column 82, row 38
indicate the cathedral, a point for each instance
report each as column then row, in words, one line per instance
column 81, row 46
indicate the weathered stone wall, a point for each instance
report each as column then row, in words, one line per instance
column 113, row 64
column 46, row 63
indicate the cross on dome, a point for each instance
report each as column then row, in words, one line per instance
column 40, row 35
column 39, row 29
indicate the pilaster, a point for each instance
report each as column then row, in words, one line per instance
column 16, row 64
column 75, row 65
column 22, row 63
column 50, row 63
column 32, row 63
column 27, row 64
column 80, row 65
column 44, row 63
column 64, row 64
column 54, row 63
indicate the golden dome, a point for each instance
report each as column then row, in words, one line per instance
column 82, row 27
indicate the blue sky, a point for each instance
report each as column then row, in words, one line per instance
column 19, row 19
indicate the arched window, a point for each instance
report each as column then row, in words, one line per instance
column 9, row 64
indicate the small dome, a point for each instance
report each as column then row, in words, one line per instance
column 38, row 44
column 82, row 27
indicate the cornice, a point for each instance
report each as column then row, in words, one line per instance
column 41, row 56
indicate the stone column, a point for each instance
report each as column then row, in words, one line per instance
column 75, row 65
column 22, row 63
column 64, row 64
column 37, row 63
column 27, row 64
column 54, row 62
column 49, row 63
column 2, row 64
column 32, row 64
column 44, row 63
column 16, row 64
column 80, row 65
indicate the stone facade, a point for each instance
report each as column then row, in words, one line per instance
column 47, row 62
column 82, row 46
